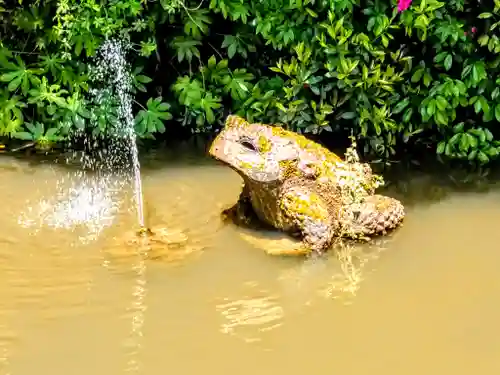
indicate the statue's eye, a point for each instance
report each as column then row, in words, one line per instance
column 249, row 145
column 356, row 214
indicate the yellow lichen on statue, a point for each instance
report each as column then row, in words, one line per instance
column 305, row 206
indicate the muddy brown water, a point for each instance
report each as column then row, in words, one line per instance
column 76, row 300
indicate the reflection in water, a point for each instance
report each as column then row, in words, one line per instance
column 349, row 280
column 249, row 317
column 352, row 261
column 6, row 341
column 137, row 311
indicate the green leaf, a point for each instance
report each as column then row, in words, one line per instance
column 497, row 112
column 238, row 84
column 489, row 135
column 311, row 13
column 401, row 106
column 485, row 15
column 25, row 136
column 231, row 50
column 492, row 152
column 143, row 79
column 458, row 128
column 472, row 140
column 208, row 104
column 485, row 107
column 196, row 22
column 472, row 155
column 7, row 77
column 483, row 40
column 51, row 133
column 431, row 107
column 348, row 115
column 440, row 148
column 448, row 61
column 233, row 44
column 479, row 133
column 477, row 106
column 15, row 83
column 495, row 93
column 212, row 62
column 288, row 36
column 482, row 157
column 150, row 120
column 186, row 48
column 441, row 103
column 427, row 79
column 464, row 142
column 441, row 118
column 417, row 75
column 455, row 139
column 440, row 57
column 407, row 115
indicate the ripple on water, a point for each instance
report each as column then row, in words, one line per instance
column 337, row 275
column 182, row 219
column 163, row 246
column 250, row 316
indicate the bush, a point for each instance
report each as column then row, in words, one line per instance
column 425, row 77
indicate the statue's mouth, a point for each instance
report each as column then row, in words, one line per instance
column 228, row 153
column 221, row 150
column 218, row 150
column 249, row 165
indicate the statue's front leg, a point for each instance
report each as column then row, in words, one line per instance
column 242, row 212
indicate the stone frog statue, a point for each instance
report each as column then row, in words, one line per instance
column 297, row 186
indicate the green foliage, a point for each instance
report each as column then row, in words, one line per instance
column 36, row 133
column 150, row 120
column 425, row 78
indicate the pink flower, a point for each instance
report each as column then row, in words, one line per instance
column 403, row 5
column 474, row 29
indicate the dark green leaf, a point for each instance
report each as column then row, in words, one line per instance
column 417, row 75
column 448, row 61
column 441, row 146
column 348, row 115
column 497, row 112
column 401, row 106
column 407, row 115
column 482, row 157
column 472, row 155
column 464, row 142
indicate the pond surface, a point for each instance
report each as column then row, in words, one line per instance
column 76, row 299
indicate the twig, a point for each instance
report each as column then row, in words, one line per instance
column 139, row 104
column 30, row 144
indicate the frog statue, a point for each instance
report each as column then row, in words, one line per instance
column 298, row 186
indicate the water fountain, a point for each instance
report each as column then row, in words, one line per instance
column 112, row 71
column 112, row 79
column 90, row 196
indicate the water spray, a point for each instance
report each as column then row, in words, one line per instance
column 113, row 70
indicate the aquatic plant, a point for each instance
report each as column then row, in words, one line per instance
column 401, row 81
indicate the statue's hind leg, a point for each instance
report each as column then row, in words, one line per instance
column 375, row 215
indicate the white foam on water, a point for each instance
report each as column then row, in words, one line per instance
column 82, row 202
